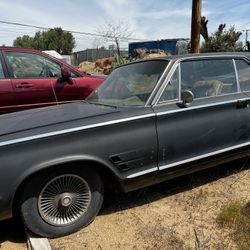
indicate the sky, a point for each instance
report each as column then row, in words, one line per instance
column 146, row 19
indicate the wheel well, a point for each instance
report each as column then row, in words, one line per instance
column 108, row 177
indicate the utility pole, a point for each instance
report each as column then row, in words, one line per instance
column 195, row 26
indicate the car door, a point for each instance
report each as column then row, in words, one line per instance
column 66, row 90
column 32, row 88
column 243, row 72
column 213, row 124
column 7, row 101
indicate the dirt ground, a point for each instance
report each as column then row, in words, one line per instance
column 171, row 215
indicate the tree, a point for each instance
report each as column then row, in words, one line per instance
column 24, row 41
column 115, row 32
column 222, row 40
column 54, row 39
column 203, row 29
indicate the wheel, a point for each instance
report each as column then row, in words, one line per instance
column 58, row 203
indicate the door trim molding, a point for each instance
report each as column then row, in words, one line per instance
column 203, row 156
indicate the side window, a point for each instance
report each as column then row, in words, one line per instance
column 54, row 69
column 26, row 65
column 243, row 69
column 172, row 89
column 1, row 71
column 75, row 75
column 208, row 77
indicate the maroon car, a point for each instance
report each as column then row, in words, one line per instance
column 30, row 79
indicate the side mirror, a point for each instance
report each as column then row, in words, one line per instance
column 65, row 72
column 187, row 97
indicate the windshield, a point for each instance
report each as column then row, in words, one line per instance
column 129, row 85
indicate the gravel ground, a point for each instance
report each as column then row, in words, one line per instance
column 172, row 215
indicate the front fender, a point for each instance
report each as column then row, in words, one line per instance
column 64, row 161
column 7, row 203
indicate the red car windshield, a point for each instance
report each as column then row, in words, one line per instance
column 129, row 85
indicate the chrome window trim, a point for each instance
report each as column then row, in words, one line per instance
column 155, row 101
column 214, row 57
column 164, row 84
column 179, row 69
column 203, row 156
column 236, row 76
column 198, row 107
column 248, row 62
column 204, row 98
column 196, row 59
column 75, row 129
column 158, row 83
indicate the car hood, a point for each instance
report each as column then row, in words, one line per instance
column 54, row 115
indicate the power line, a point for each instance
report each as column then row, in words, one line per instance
column 71, row 31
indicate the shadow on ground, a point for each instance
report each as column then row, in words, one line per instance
column 114, row 202
column 12, row 230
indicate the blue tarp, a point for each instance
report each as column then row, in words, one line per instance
column 168, row 45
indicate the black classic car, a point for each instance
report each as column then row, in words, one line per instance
column 150, row 121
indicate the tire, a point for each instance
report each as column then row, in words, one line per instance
column 60, row 202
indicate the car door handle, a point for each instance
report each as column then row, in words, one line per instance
column 243, row 103
column 24, row 85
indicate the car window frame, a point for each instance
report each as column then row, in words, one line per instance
column 176, row 67
column 5, row 68
column 236, row 79
column 48, row 68
column 178, row 62
column 10, row 71
column 247, row 60
column 162, row 83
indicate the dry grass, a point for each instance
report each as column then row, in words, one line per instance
column 236, row 217
column 179, row 214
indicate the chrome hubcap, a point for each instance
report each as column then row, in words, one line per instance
column 64, row 200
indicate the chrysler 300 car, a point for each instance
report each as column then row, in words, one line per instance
column 150, row 121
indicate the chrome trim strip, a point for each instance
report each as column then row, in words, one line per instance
column 218, row 56
column 191, row 58
column 197, row 107
column 179, row 73
column 187, row 160
column 65, row 131
column 164, row 84
column 203, row 156
column 154, row 92
column 147, row 171
column 236, row 76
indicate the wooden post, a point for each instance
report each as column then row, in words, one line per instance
column 195, row 26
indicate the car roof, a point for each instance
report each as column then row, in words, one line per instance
column 201, row 55
column 18, row 48
column 214, row 54
column 195, row 56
